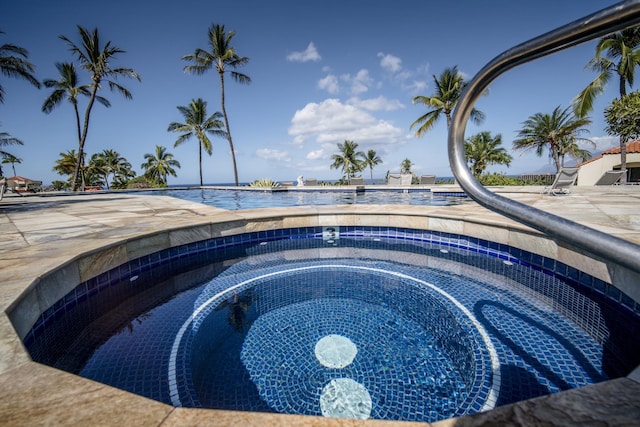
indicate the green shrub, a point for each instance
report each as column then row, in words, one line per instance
column 264, row 183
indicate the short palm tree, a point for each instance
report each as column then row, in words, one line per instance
column 483, row 150
column 112, row 164
column 199, row 125
column 449, row 86
column 349, row 159
column 68, row 88
column 405, row 166
column 13, row 63
column 10, row 158
column 96, row 59
column 221, row 56
column 159, row 165
column 371, row 159
column 6, row 139
column 67, row 164
column 551, row 130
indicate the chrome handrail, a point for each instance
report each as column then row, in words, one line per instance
column 599, row 24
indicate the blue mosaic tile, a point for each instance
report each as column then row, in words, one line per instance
column 547, row 320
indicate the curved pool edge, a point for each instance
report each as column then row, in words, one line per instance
column 39, row 394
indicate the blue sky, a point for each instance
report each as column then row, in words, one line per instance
column 322, row 72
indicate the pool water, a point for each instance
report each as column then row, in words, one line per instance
column 254, row 199
column 360, row 326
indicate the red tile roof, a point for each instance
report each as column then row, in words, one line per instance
column 632, row 147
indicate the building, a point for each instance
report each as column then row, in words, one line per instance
column 593, row 169
column 19, row 184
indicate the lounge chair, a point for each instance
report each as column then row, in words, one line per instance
column 427, row 179
column 310, row 182
column 565, row 179
column 609, row 178
column 393, row 179
column 356, row 181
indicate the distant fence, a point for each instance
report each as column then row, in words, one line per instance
column 546, row 178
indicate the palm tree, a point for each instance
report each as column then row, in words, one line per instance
column 10, row 158
column 197, row 123
column 553, row 130
column 6, row 139
column 221, row 55
column 159, row 165
column 67, row 164
column 621, row 56
column 110, row 162
column 349, row 160
column 68, row 88
column 405, row 166
column 483, row 150
column 96, row 59
column 13, row 63
column 449, row 87
column 371, row 159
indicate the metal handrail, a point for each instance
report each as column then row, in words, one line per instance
column 599, row 24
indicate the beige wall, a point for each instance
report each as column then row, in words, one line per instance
column 592, row 171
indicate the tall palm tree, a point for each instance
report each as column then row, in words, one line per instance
column 371, row 159
column 68, row 88
column 552, row 130
column 221, row 56
column 449, row 86
column 349, row 160
column 13, row 63
column 10, row 158
column 483, row 150
column 160, row 164
column 199, row 125
column 617, row 53
column 96, row 59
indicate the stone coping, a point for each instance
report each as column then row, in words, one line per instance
column 80, row 238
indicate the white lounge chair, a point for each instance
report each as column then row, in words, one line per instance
column 427, row 179
column 609, row 178
column 565, row 179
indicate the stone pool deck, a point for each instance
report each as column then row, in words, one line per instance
column 40, row 234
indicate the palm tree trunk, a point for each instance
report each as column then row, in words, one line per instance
column 83, row 138
column 200, row 160
column 623, row 161
column 226, row 123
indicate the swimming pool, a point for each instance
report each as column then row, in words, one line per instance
column 234, row 199
column 234, row 323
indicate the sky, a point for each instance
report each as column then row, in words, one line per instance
column 321, row 73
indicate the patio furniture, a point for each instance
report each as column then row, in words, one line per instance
column 609, row 178
column 565, row 179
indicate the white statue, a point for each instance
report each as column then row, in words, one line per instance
column 300, row 181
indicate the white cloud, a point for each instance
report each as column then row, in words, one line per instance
column 380, row 103
column 331, row 121
column 359, row 83
column 390, row 63
column 330, row 84
column 309, row 54
column 316, row 154
column 270, row 154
